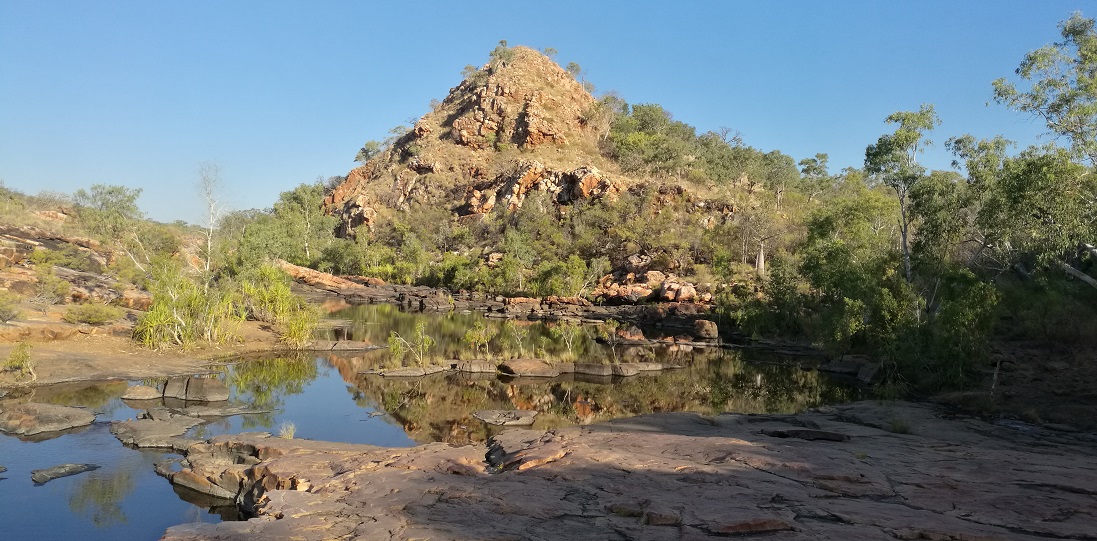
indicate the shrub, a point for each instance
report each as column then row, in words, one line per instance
column 417, row 347
column 92, row 314
column 19, row 361
column 287, row 430
column 184, row 311
column 268, row 298
column 299, row 325
column 9, row 306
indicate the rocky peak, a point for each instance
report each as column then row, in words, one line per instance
column 516, row 125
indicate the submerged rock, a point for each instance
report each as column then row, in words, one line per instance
column 33, row 418
column 43, row 476
column 161, row 429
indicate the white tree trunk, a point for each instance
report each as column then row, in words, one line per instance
column 1079, row 274
column 760, row 262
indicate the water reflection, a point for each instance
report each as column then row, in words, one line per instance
column 329, row 397
column 440, row 407
column 472, row 336
column 98, row 495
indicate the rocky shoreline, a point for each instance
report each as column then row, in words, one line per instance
column 319, row 286
column 865, row 470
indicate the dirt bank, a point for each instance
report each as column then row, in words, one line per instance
column 63, row 352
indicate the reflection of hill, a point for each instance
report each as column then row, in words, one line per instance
column 439, row 408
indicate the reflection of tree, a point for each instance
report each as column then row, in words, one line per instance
column 264, row 384
column 99, row 496
column 494, row 338
column 98, row 396
column 440, row 407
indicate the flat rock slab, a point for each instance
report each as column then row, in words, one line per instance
column 33, row 418
column 669, row 476
column 43, row 476
column 529, row 368
column 506, row 417
column 410, row 372
column 158, row 433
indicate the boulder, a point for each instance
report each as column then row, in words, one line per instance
column 196, row 388
column 529, row 367
column 686, row 293
column 638, row 262
column 141, row 392
column 43, row 476
column 654, row 278
column 33, row 418
column 705, row 329
column 867, row 373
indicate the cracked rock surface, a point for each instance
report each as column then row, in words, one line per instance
column 866, row 470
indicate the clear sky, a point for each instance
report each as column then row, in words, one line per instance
column 278, row 93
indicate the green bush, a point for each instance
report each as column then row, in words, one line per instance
column 9, row 306
column 19, row 361
column 92, row 314
column 184, row 311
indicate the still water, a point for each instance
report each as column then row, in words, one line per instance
column 328, row 397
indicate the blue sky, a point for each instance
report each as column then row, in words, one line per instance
column 278, row 93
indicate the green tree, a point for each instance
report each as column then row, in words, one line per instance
column 893, row 161
column 815, row 176
column 1062, row 86
column 107, row 210
column 368, row 151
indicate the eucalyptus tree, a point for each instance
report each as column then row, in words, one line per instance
column 815, row 177
column 1062, row 86
column 893, row 162
column 1059, row 86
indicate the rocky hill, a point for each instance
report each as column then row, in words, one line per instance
column 519, row 124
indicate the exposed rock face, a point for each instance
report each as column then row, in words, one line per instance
column 511, row 189
column 463, row 155
column 637, row 284
column 666, row 476
column 31, row 418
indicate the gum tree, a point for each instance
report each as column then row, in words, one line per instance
column 893, row 162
